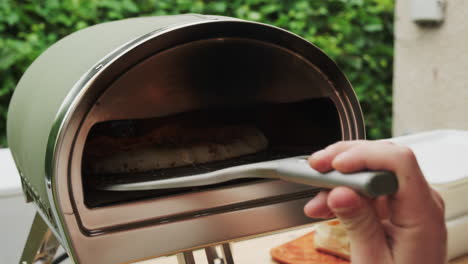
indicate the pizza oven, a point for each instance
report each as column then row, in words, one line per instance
column 161, row 97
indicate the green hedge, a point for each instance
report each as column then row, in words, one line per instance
column 357, row 34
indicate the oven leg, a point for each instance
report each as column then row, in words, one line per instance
column 185, row 258
column 41, row 245
column 212, row 256
column 227, row 253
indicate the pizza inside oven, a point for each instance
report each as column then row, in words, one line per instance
column 139, row 146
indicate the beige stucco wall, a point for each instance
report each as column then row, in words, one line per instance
column 431, row 71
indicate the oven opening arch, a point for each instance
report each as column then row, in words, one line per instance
column 277, row 78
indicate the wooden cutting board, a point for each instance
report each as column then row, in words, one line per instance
column 302, row 251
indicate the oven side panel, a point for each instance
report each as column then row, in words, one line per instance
column 48, row 85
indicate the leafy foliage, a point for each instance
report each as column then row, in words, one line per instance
column 357, row 34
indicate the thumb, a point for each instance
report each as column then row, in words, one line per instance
column 365, row 231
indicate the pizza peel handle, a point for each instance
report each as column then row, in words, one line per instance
column 367, row 183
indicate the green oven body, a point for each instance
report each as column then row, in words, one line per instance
column 54, row 91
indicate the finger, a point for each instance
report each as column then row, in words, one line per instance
column 382, row 210
column 367, row 237
column 322, row 160
column 411, row 200
column 317, row 207
column 438, row 198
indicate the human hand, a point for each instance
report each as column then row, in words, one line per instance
column 407, row 227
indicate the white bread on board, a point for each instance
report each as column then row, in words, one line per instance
column 331, row 238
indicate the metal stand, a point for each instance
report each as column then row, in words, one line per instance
column 41, row 245
column 211, row 255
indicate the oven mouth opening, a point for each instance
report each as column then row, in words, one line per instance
column 280, row 130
